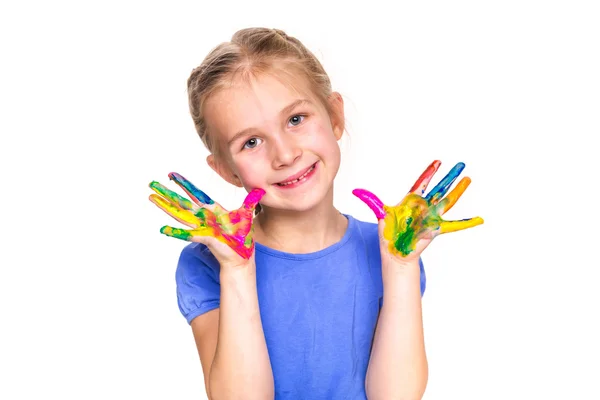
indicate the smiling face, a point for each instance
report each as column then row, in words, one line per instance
column 273, row 137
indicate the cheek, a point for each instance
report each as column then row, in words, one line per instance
column 325, row 143
column 250, row 172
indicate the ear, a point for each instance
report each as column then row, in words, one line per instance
column 337, row 118
column 223, row 170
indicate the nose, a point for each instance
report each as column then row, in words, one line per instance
column 286, row 151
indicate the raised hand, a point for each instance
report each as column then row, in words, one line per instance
column 206, row 218
column 415, row 221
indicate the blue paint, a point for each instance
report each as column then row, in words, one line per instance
column 190, row 188
column 441, row 188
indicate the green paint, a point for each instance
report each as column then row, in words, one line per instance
column 169, row 194
column 405, row 241
column 176, row 233
column 201, row 213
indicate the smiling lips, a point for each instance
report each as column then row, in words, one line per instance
column 298, row 178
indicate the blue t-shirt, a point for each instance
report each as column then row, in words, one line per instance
column 318, row 310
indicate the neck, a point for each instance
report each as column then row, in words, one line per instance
column 300, row 231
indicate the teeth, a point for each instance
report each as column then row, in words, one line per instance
column 297, row 179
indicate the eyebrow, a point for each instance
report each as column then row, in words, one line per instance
column 287, row 109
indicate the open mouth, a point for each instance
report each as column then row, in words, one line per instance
column 307, row 174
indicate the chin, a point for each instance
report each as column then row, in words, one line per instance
column 302, row 202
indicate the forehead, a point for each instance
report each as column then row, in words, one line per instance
column 251, row 102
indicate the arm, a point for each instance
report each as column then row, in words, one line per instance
column 398, row 365
column 231, row 341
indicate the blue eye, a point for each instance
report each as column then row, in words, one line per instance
column 296, row 119
column 251, row 143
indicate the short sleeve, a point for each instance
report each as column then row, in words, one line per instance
column 197, row 281
column 423, row 277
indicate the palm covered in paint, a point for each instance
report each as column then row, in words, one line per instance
column 208, row 219
column 413, row 223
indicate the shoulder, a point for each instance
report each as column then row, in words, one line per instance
column 365, row 240
column 368, row 233
column 365, row 231
column 197, row 281
column 196, row 256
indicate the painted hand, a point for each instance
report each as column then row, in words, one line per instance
column 411, row 225
column 207, row 218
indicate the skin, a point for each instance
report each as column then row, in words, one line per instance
column 417, row 217
column 279, row 141
column 207, row 218
column 230, row 339
column 398, row 366
column 285, row 137
column 281, row 136
column 284, row 132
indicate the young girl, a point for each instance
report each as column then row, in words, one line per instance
column 287, row 297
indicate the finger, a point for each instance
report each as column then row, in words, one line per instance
column 197, row 195
column 423, row 181
column 191, row 235
column 182, row 234
column 372, row 201
column 184, row 216
column 174, row 197
column 440, row 190
column 252, row 199
column 453, row 226
column 449, row 201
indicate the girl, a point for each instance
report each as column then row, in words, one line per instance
column 287, row 297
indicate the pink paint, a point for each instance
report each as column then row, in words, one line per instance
column 372, row 201
column 205, row 217
column 253, row 198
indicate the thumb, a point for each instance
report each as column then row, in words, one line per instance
column 253, row 198
column 372, row 201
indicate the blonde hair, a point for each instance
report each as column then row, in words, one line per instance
column 253, row 51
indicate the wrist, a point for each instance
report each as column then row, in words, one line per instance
column 238, row 287
column 401, row 274
column 239, row 272
column 397, row 266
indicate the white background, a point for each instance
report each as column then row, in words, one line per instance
column 93, row 108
